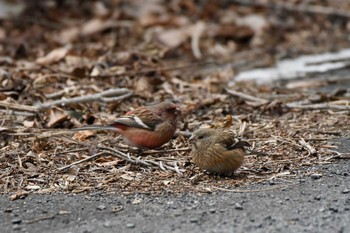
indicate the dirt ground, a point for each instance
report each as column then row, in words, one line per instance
column 318, row 203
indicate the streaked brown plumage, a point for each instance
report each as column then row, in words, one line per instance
column 217, row 150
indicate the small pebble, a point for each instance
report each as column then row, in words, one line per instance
column 334, row 209
column 238, row 206
column 316, row 176
column 346, row 191
column 101, row 207
column 212, row 210
column 8, row 210
column 317, row 198
column 16, row 227
column 16, row 221
column 130, row 225
column 194, row 220
column 177, row 213
column 107, row 224
column 272, row 182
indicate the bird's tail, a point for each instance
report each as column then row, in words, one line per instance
column 96, row 127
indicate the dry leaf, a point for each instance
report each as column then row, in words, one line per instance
column 110, row 163
column 73, row 170
column 96, row 71
column 174, row 37
column 19, row 195
column 127, row 177
column 56, row 116
column 30, row 167
column 28, row 124
column 83, row 135
column 228, row 122
column 54, row 56
column 117, row 70
column 46, row 190
column 71, row 178
column 68, row 35
column 143, row 87
column 96, row 25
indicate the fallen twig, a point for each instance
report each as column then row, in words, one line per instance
column 59, row 93
column 295, row 105
column 306, row 145
column 40, row 219
column 338, row 155
column 17, row 113
column 83, row 160
column 311, row 9
column 121, row 155
column 134, row 160
column 317, row 106
column 71, row 151
column 110, row 95
column 247, row 97
column 18, row 106
column 166, row 151
column 197, row 33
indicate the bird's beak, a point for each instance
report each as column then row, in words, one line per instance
column 191, row 139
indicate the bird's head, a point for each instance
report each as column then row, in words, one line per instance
column 168, row 109
column 202, row 137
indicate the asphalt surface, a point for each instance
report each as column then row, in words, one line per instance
column 316, row 203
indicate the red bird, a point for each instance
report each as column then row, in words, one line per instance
column 145, row 127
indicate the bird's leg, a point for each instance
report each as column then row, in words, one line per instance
column 229, row 175
column 196, row 178
column 139, row 152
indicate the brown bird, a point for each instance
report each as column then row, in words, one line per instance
column 146, row 127
column 217, row 150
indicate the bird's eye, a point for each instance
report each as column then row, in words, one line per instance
column 201, row 137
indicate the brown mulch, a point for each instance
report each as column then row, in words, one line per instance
column 85, row 62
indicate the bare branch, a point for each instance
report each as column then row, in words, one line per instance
column 134, row 160
column 247, row 97
column 295, row 105
column 18, row 106
column 303, row 8
column 83, row 160
column 105, row 96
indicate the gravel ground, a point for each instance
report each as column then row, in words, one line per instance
column 316, row 203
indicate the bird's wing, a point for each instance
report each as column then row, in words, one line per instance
column 229, row 140
column 141, row 118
